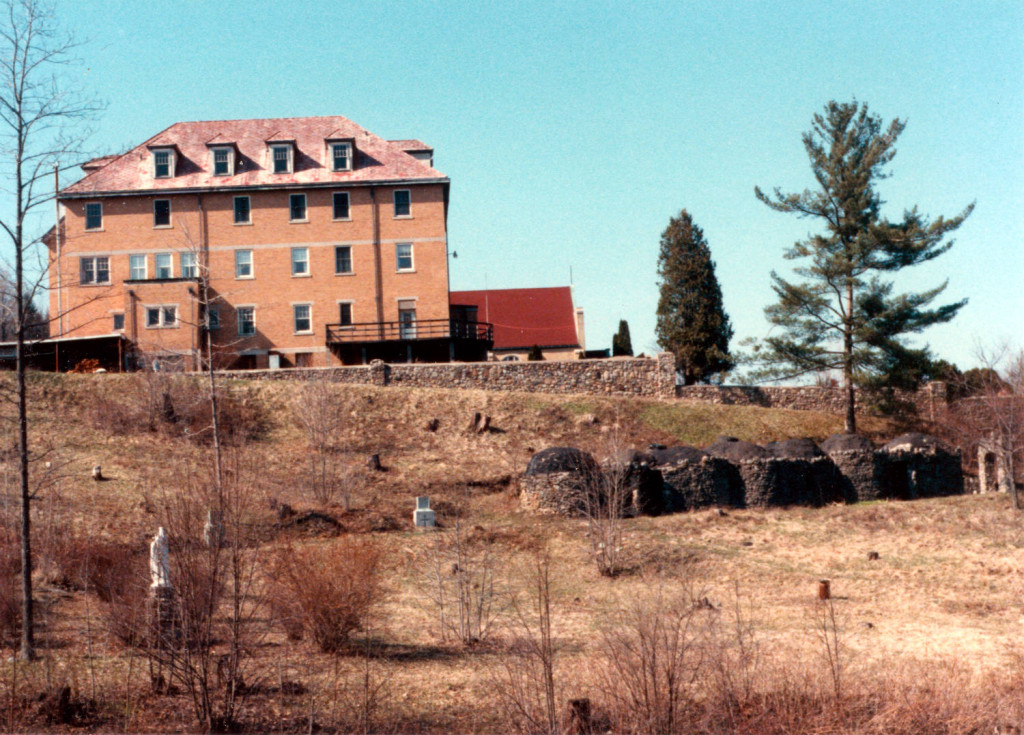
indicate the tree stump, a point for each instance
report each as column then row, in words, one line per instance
column 579, row 717
column 374, row 463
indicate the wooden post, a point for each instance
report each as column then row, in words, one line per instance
column 824, row 589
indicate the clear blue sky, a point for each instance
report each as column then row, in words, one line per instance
column 572, row 131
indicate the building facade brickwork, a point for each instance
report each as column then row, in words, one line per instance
column 285, row 254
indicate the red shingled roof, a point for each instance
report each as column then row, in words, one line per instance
column 377, row 159
column 523, row 317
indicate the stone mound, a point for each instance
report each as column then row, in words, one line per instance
column 794, row 449
column 677, row 455
column 560, row 459
column 735, row 450
column 562, row 480
column 847, row 443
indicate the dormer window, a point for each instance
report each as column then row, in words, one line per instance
column 223, row 161
column 281, row 158
column 163, row 163
column 341, row 156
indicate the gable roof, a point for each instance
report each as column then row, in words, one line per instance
column 524, row 317
column 377, row 160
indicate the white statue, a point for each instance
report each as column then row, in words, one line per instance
column 160, row 560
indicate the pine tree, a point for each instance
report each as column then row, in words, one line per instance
column 692, row 324
column 844, row 315
column 621, row 343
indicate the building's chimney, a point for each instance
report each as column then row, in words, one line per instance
column 579, row 328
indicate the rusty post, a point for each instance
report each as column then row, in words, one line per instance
column 824, row 589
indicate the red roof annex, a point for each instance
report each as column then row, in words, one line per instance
column 524, row 317
column 378, row 160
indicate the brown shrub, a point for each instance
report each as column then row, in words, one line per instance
column 79, row 562
column 177, row 405
column 326, row 592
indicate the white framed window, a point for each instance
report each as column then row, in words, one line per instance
column 342, row 259
column 94, row 216
column 403, row 256
column 243, row 212
column 345, row 313
column 303, row 317
column 189, row 266
column 243, row 264
column 403, row 203
column 342, row 208
column 341, row 156
column 246, row 320
column 118, row 322
column 163, row 163
column 163, row 316
column 163, row 265
column 94, row 270
column 281, row 158
column 223, row 161
column 297, row 207
column 212, row 318
column 137, row 267
column 161, row 213
column 300, row 261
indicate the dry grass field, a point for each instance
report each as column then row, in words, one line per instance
column 714, row 625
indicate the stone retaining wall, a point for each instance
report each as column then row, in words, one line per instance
column 931, row 400
column 652, row 377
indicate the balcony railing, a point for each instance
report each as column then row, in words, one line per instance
column 405, row 331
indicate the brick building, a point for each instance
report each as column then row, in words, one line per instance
column 298, row 241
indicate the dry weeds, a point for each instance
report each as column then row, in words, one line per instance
column 931, row 627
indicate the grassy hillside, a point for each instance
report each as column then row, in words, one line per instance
column 926, row 634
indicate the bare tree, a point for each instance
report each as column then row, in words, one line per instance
column 216, row 564
column 526, row 679
column 39, row 132
column 318, row 411
column 465, row 582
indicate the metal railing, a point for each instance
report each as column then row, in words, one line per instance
column 405, row 331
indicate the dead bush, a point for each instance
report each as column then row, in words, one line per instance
column 78, row 562
column 177, row 405
column 654, row 661
column 326, row 592
column 116, row 416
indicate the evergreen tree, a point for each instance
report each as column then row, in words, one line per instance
column 621, row 343
column 691, row 324
column 844, row 315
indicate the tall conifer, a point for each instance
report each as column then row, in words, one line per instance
column 843, row 315
column 692, row 324
column 621, row 342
